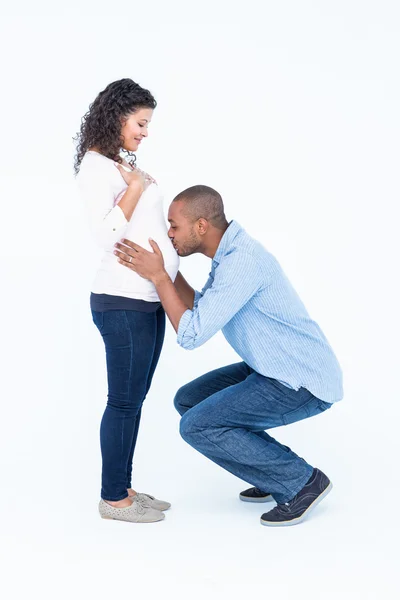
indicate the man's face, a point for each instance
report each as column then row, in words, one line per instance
column 182, row 232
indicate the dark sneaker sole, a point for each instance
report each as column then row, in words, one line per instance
column 267, row 498
column 303, row 516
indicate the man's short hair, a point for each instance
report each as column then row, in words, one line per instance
column 203, row 202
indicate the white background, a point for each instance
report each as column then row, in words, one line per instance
column 291, row 110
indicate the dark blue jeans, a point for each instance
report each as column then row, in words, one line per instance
column 225, row 414
column 133, row 342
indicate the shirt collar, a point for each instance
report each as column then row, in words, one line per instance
column 226, row 241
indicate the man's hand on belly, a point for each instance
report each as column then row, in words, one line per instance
column 150, row 265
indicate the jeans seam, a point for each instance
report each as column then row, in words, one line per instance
column 116, row 499
column 129, row 378
column 235, row 459
column 299, row 490
column 298, row 408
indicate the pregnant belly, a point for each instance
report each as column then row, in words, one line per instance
column 140, row 234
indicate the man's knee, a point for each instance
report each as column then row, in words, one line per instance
column 181, row 400
column 187, row 428
column 196, row 425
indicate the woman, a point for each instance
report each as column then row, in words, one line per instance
column 123, row 202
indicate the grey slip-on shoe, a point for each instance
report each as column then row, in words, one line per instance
column 135, row 513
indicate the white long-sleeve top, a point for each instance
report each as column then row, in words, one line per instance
column 101, row 186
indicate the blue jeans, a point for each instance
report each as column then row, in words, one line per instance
column 133, row 342
column 225, row 414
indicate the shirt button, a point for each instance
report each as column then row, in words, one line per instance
column 114, row 229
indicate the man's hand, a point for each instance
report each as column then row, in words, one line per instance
column 149, row 265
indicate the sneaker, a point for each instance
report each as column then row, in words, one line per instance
column 135, row 513
column 295, row 511
column 253, row 494
column 151, row 502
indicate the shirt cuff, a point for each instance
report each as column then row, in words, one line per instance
column 184, row 323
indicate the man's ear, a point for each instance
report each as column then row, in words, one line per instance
column 203, row 226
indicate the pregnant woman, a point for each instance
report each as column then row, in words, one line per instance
column 123, row 202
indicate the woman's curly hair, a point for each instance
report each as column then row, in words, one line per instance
column 101, row 125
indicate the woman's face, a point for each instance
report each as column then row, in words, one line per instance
column 134, row 128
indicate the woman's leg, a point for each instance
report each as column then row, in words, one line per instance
column 160, row 333
column 130, row 339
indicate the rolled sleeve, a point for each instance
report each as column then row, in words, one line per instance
column 222, row 298
column 197, row 296
column 185, row 332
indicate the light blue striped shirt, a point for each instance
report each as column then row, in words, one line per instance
column 250, row 299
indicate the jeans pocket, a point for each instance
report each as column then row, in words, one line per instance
column 322, row 405
column 297, row 414
column 314, row 406
column 98, row 319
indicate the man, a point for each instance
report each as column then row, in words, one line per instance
column 289, row 371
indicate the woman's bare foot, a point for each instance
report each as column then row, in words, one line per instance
column 124, row 503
